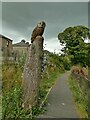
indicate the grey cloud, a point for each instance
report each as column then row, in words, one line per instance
column 21, row 17
column 45, row 0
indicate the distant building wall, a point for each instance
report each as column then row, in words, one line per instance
column 0, row 42
column 6, row 46
column 20, row 49
column 12, row 51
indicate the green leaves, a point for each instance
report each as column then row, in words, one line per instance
column 74, row 38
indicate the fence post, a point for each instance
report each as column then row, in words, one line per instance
column 32, row 73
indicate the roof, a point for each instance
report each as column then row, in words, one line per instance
column 21, row 44
column 2, row 36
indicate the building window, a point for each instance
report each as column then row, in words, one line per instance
column 7, row 43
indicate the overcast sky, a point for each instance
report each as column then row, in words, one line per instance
column 19, row 19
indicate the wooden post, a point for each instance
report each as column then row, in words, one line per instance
column 32, row 73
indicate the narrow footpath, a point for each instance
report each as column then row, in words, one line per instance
column 60, row 101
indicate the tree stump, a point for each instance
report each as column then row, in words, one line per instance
column 32, row 73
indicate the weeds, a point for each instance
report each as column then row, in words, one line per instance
column 12, row 88
column 80, row 97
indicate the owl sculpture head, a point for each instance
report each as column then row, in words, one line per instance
column 41, row 24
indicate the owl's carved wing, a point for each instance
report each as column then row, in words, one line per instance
column 36, row 32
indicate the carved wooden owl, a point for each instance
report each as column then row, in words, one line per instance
column 38, row 30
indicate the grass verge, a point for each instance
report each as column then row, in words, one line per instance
column 80, row 98
column 45, row 86
column 12, row 92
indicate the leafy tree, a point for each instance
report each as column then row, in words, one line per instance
column 74, row 40
column 88, row 54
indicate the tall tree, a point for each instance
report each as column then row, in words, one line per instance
column 75, row 46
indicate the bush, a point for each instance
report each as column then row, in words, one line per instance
column 12, row 87
column 80, row 97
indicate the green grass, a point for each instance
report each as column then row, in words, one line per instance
column 12, row 89
column 47, row 83
column 81, row 99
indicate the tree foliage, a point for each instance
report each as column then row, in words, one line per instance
column 75, row 46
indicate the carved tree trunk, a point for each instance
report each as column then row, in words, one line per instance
column 32, row 73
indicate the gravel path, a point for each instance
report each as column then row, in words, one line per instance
column 60, row 101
